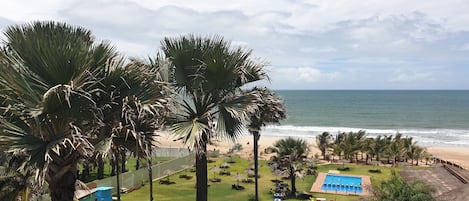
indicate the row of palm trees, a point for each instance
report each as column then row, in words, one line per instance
column 350, row 146
column 66, row 97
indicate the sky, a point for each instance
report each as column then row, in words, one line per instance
column 320, row 44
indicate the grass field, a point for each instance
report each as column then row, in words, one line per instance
column 184, row 189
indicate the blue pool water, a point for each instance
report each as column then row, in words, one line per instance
column 340, row 183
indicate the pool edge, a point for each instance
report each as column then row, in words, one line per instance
column 366, row 185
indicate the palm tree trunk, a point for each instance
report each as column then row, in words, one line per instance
column 256, row 162
column 137, row 163
column 293, row 180
column 323, row 152
column 113, row 164
column 86, row 171
column 123, row 159
column 116, row 156
column 201, row 169
column 150, row 177
column 62, row 175
column 100, row 173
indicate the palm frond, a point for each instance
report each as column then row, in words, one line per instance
column 190, row 124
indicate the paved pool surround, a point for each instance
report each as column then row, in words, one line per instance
column 363, row 189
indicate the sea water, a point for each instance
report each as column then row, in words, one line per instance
column 431, row 117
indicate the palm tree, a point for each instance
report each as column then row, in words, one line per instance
column 351, row 144
column 135, row 109
column 406, row 144
column 395, row 151
column 270, row 109
column 148, row 114
column 290, row 154
column 337, row 147
column 415, row 152
column 61, row 90
column 378, row 147
column 48, row 74
column 359, row 138
column 323, row 142
column 208, row 74
column 367, row 148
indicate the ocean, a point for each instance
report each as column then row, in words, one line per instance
column 432, row 118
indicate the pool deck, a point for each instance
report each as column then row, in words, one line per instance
column 366, row 185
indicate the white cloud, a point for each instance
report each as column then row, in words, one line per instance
column 317, row 49
column 400, row 75
column 303, row 74
column 464, row 47
column 335, row 37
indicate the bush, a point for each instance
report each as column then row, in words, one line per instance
column 343, row 168
column 375, row 170
column 214, row 153
column 251, row 197
column 397, row 189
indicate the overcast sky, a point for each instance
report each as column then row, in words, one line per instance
column 322, row 44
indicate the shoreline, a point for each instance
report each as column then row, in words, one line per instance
column 456, row 154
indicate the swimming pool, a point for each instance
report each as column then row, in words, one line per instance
column 342, row 183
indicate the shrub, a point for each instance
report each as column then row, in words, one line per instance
column 375, row 170
column 343, row 168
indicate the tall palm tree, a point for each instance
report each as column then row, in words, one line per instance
column 323, row 142
column 270, row 109
column 135, row 109
column 208, row 73
column 148, row 114
column 60, row 89
column 290, row 154
column 49, row 72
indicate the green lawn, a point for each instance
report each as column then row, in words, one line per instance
column 185, row 189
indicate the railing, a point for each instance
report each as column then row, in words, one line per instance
column 171, row 152
column 456, row 174
column 130, row 180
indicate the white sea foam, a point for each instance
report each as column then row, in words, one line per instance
column 443, row 137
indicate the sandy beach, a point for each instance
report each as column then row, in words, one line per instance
column 224, row 146
column 458, row 155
